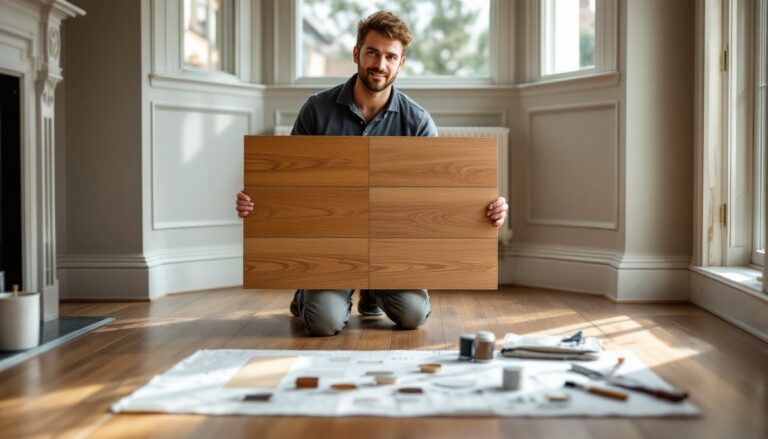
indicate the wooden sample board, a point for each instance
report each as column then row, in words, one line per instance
column 370, row 212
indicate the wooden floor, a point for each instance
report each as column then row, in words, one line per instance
column 67, row 391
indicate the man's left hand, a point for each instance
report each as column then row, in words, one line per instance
column 497, row 212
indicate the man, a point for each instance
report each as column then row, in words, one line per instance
column 367, row 105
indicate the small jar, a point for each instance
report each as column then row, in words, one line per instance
column 512, row 376
column 485, row 343
column 466, row 347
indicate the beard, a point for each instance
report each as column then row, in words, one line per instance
column 370, row 85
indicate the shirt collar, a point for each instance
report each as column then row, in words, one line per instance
column 346, row 98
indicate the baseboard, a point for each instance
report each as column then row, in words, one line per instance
column 617, row 276
column 195, row 275
column 103, row 283
column 150, row 276
column 743, row 309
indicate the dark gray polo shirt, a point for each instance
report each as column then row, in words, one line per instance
column 333, row 112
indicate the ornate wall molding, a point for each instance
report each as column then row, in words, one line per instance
column 31, row 28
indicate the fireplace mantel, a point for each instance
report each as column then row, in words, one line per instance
column 30, row 48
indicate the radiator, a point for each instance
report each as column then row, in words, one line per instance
column 502, row 138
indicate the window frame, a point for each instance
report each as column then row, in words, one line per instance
column 606, row 42
column 730, row 160
column 760, row 151
column 229, row 10
column 500, row 32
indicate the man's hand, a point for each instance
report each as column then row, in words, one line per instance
column 497, row 212
column 243, row 205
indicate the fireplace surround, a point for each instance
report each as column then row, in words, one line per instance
column 30, row 48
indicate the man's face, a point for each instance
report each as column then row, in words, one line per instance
column 378, row 60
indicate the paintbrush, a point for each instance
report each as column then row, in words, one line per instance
column 629, row 383
column 615, row 368
column 607, row 393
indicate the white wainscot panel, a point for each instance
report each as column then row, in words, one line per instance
column 573, row 166
column 197, row 165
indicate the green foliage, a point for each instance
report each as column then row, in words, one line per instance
column 443, row 43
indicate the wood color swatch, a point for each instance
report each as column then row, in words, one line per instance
column 311, row 161
column 415, row 212
column 433, row 161
column 262, row 372
column 370, row 212
column 322, row 212
column 440, row 264
column 314, row 262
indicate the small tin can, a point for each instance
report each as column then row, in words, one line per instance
column 466, row 346
column 484, row 346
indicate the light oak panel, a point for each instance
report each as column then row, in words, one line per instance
column 305, row 263
column 435, row 161
column 434, row 263
column 431, row 212
column 306, row 161
column 300, row 212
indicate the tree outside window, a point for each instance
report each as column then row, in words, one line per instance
column 451, row 37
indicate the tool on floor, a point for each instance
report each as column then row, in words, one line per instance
column 630, row 383
column 616, row 367
column 574, row 339
column 607, row 393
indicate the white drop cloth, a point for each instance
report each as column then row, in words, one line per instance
column 197, row 384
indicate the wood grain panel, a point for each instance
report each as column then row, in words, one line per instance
column 305, row 263
column 297, row 212
column 306, row 161
column 434, row 263
column 408, row 212
column 434, row 161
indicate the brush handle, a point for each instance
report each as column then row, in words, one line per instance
column 621, row 396
column 663, row 394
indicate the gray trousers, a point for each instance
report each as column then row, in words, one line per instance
column 326, row 312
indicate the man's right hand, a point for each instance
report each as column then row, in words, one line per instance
column 243, row 205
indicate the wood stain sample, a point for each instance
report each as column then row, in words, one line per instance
column 370, row 212
column 264, row 372
column 307, row 382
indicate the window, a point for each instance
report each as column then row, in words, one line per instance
column 568, row 42
column 734, row 133
column 572, row 38
column 451, row 36
column 208, row 34
column 761, row 59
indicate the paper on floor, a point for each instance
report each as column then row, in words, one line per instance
column 217, row 382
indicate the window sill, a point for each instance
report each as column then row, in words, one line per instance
column 400, row 86
column 198, row 82
column 743, row 279
column 572, row 83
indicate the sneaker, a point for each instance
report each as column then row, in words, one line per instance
column 298, row 298
column 367, row 306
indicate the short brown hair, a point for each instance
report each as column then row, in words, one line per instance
column 387, row 24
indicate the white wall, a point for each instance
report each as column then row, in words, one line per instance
column 601, row 190
column 659, row 140
column 153, row 159
column 192, row 157
column 101, row 203
column 603, row 183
